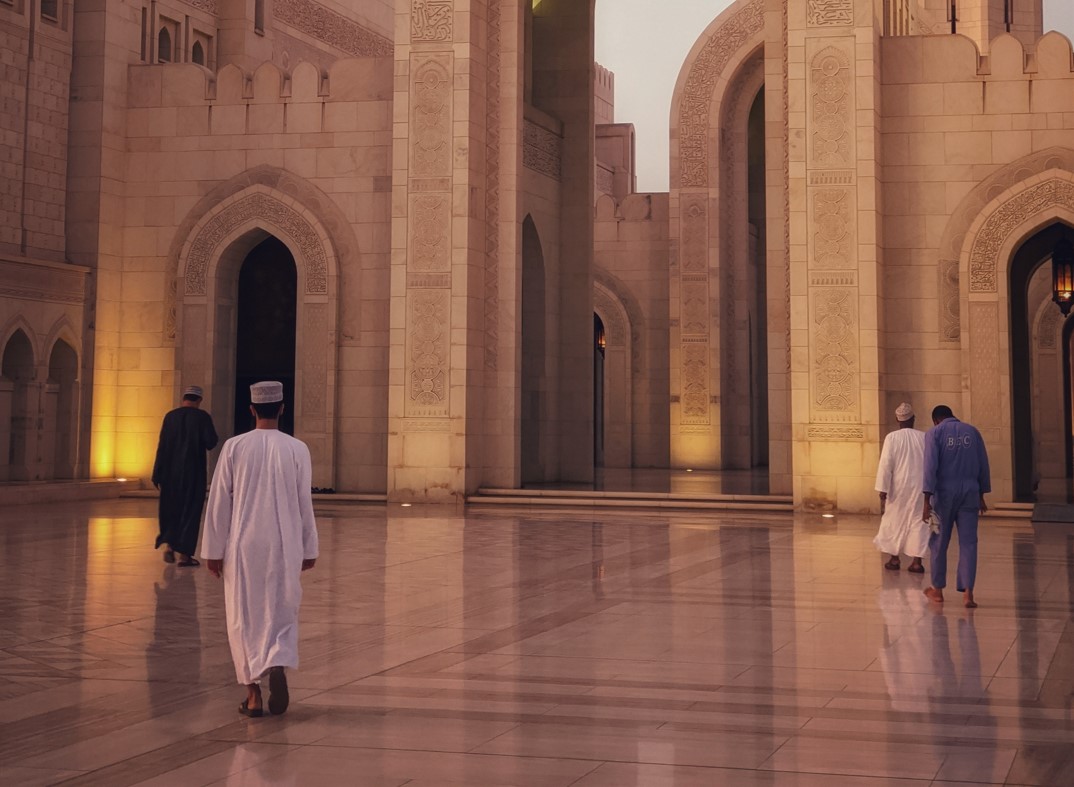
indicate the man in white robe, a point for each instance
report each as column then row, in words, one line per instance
column 260, row 535
column 898, row 480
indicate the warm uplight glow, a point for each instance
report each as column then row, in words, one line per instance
column 121, row 480
column 828, row 516
column 689, row 470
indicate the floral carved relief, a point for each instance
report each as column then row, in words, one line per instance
column 315, row 360
column 1010, row 215
column 208, row 6
column 431, row 20
column 830, row 13
column 695, row 382
column 833, row 216
column 830, row 109
column 1048, row 328
column 835, row 367
column 272, row 214
column 701, row 83
column 427, row 336
column 324, row 24
column 430, row 115
column 542, row 151
column 430, row 224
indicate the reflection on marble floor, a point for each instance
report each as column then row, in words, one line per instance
column 677, row 482
column 513, row 648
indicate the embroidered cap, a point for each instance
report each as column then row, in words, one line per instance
column 904, row 412
column 266, row 392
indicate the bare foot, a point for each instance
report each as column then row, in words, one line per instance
column 970, row 603
column 934, row 594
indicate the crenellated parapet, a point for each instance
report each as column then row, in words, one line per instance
column 956, row 58
column 177, row 85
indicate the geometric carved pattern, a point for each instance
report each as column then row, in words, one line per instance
column 1001, row 223
column 705, row 74
column 950, row 328
column 277, row 216
column 831, row 109
column 835, row 344
column 431, row 20
column 984, row 363
column 824, row 13
column 833, row 217
column 326, row 25
column 315, row 355
column 427, row 335
column 492, row 191
column 542, row 151
column 430, row 131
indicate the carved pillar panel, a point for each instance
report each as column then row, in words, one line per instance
column 833, row 231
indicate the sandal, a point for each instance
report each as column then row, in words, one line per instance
column 916, row 569
column 169, row 555
column 189, row 563
column 891, row 565
column 279, row 698
column 253, row 713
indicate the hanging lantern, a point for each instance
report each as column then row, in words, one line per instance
column 1063, row 275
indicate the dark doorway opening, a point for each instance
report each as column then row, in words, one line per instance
column 599, row 345
column 266, row 318
column 1034, row 252
column 533, row 354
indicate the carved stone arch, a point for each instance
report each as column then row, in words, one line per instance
column 989, row 243
column 634, row 316
column 711, row 79
column 20, row 323
column 207, row 267
column 968, row 210
column 726, row 44
column 289, row 189
column 63, row 330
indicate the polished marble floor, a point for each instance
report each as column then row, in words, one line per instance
column 545, row 648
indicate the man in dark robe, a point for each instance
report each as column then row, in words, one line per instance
column 180, row 473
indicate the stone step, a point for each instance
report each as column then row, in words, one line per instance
column 602, row 499
column 23, row 492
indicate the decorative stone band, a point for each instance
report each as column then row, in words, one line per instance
column 432, row 20
column 840, row 433
column 542, row 151
column 326, row 25
column 830, row 13
column 1005, row 220
column 270, row 212
column 208, row 6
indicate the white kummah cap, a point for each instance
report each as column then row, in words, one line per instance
column 266, row 392
column 194, row 390
column 904, row 412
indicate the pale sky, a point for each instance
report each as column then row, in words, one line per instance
column 646, row 49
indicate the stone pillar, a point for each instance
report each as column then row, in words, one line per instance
column 438, row 248
column 833, row 174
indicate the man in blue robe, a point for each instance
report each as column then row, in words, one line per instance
column 955, row 483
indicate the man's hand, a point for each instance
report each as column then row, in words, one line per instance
column 156, row 486
column 883, row 502
column 926, row 511
column 984, row 505
column 309, row 563
column 216, row 567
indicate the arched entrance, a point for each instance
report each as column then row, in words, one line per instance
column 17, row 370
column 62, row 409
column 600, row 344
column 1039, row 385
column 265, row 328
column 534, row 351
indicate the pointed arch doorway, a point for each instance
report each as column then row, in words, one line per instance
column 265, row 330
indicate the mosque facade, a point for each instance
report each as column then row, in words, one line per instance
column 420, row 216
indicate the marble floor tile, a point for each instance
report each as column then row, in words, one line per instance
column 534, row 647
